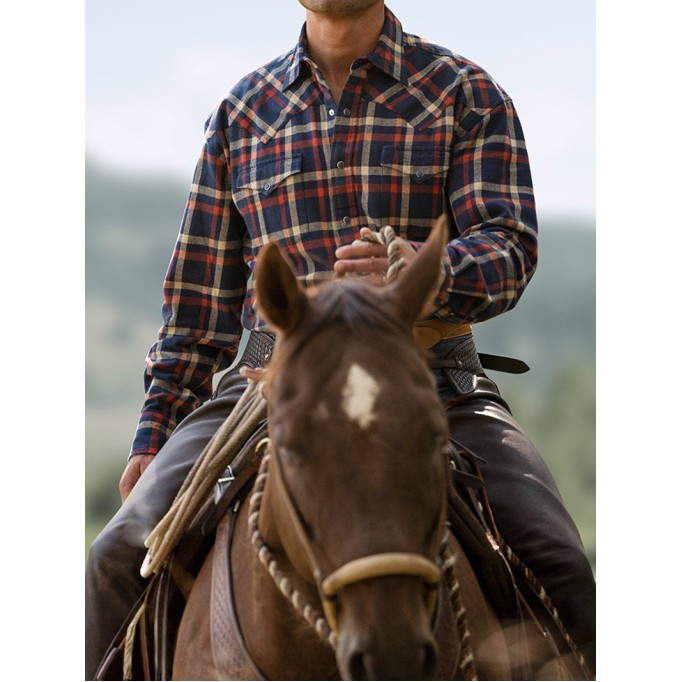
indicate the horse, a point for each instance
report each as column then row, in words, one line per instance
column 340, row 562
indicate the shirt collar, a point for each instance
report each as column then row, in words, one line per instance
column 387, row 55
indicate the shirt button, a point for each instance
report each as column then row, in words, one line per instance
column 346, row 220
column 419, row 174
column 331, row 112
column 340, row 164
column 346, row 112
column 267, row 187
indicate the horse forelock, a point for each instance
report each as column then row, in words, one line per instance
column 350, row 310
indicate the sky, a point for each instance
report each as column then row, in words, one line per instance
column 154, row 70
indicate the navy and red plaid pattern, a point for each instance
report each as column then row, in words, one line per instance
column 418, row 131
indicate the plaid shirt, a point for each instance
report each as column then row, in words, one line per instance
column 418, row 131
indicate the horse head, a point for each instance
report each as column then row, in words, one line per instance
column 357, row 496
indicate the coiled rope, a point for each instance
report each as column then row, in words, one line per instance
column 250, row 409
column 387, row 237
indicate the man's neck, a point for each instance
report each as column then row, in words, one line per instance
column 334, row 44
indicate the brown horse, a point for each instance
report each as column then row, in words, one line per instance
column 344, row 566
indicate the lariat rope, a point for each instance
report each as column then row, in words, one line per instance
column 249, row 411
column 386, row 236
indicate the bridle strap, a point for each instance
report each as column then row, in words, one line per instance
column 357, row 570
column 379, row 566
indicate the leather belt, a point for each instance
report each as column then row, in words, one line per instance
column 463, row 358
column 429, row 332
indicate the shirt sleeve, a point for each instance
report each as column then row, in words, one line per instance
column 204, row 291
column 494, row 256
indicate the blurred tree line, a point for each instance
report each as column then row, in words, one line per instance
column 131, row 224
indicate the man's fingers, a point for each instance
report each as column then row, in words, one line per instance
column 360, row 249
column 372, row 265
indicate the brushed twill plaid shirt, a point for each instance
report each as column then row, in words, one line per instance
column 417, row 131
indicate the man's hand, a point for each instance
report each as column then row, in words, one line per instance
column 368, row 259
column 136, row 466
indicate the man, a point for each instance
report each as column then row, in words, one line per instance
column 359, row 126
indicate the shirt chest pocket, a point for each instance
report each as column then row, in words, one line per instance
column 265, row 195
column 413, row 192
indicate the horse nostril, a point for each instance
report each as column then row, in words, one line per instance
column 356, row 667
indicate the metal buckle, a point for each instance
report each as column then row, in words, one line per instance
column 223, row 483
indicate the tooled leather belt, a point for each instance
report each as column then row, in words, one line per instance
column 258, row 350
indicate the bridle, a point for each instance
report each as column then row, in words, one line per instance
column 363, row 568
column 353, row 572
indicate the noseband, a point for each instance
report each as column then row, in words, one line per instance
column 378, row 566
column 355, row 571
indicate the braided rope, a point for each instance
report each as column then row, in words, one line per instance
column 386, row 236
column 467, row 662
column 315, row 618
column 206, row 470
column 544, row 597
column 311, row 615
column 129, row 644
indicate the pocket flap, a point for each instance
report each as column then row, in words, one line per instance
column 421, row 163
column 265, row 176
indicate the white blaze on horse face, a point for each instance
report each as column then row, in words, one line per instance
column 359, row 396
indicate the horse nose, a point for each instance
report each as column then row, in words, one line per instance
column 421, row 665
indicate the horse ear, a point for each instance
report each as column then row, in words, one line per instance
column 279, row 297
column 415, row 287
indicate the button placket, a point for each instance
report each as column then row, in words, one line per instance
column 343, row 199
